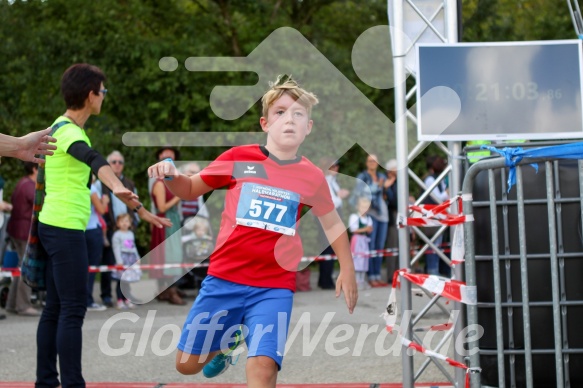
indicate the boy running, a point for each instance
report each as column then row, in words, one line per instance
column 249, row 290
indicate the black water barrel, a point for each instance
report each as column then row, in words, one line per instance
column 539, row 276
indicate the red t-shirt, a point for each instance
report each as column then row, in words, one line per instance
column 258, row 244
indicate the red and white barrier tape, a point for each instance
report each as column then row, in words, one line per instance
column 436, row 215
column 440, row 327
column 447, row 288
column 15, row 272
column 431, row 353
column 389, row 252
column 439, row 356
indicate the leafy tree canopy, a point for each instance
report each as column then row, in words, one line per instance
column 127, row 38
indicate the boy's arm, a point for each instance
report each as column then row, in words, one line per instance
column 338, row 238
column 129, row 198
column 182, row 186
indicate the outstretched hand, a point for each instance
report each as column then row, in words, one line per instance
column 158, row 222
column 162, row 170
column 131, row 198
column 35, row 143
column 347, row 284
column 125, row 194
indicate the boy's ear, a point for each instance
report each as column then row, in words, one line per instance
column 263, row 123
column 310, row 124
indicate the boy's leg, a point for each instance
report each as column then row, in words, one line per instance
column 211, row 323
column 267, row 317
column 191, row 364
column 261, row 372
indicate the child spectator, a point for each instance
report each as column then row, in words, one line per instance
column 198, row 244
column 360, row 225
column 126, row 254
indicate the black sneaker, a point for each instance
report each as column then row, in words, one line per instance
column 107, row 302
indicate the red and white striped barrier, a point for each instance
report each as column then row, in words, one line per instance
column 436, row 215
column 439, row 356
column 389, row 252
column 447, row 288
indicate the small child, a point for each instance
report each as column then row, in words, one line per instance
column 198, row 244
column 360, row 225
column 125, row 252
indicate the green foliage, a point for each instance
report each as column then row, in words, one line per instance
column 127, row 38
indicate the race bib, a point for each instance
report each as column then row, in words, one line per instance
column 267, row 207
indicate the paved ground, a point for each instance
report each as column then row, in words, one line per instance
column 138, row 346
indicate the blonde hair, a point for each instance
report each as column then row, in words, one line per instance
column 286, row 85
column 202, row 223
column 362, row 201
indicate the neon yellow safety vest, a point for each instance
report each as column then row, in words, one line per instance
column 67, row 202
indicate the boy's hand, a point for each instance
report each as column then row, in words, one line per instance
column 162, row 170
column 346, row 283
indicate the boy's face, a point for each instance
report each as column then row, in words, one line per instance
column 287, row 123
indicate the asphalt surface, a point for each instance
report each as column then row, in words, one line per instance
column 330, row 345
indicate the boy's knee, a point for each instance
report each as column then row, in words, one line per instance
column 262, row 368
column 188, row 368
column 188, row 364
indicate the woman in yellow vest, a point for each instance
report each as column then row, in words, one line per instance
column 62, row 223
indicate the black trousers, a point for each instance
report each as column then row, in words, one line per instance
column 107, row 259
column 325, row 280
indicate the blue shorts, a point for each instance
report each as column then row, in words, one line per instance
column 222, row 307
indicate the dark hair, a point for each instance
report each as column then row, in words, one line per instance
column 429, row 161
column 122, row 216
column 435, row 163
column 176, row 152
column 78, row 81
column 29, row 167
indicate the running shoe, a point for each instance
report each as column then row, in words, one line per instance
column 222, row 361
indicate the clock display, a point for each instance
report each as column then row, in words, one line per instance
column 504, row 90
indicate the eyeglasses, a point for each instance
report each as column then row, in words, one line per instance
column 117, row 162
column 104, row 91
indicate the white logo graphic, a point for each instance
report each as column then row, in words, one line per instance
column 250, row 170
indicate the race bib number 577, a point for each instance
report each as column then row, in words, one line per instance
column 267, row 207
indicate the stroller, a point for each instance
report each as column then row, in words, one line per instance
column 9, row 258
column 197, row 245
column 6, row 255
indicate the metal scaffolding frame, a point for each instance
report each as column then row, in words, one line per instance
column 401, row 47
